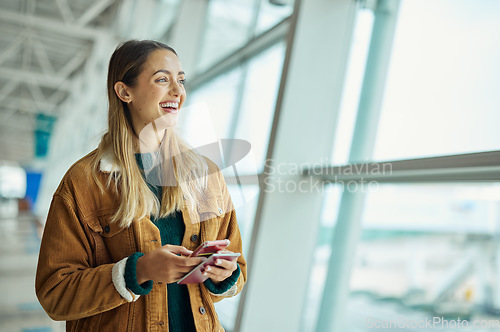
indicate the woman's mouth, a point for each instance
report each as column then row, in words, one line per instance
column 170, row 107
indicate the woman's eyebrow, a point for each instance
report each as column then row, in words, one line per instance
column 167, row 72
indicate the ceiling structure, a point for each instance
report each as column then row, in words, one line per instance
column 50, row 48
column 44, row 44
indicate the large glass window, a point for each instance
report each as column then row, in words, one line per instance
column 441, row 92
column 352, row 86
column 228, row 27
column 218, row 96
column 228, row 309
column 230, row 24
column 272, row 12
column 428, row 250
column 239, row 104
column 319, row 265
column 259, row 101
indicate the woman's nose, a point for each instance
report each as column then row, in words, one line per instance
column 175, row 89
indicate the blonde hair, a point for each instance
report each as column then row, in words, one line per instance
column 189, row 168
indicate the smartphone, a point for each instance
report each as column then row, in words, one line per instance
column 195, row 276
column 209, row 247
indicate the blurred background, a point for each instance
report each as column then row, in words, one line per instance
column 374, row 127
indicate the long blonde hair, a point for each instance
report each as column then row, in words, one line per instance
column 189, row 167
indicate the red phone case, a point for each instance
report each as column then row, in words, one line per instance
column 196, row 275
column 210, row 247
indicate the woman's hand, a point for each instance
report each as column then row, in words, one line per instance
column 222, row 270
column 163, row 264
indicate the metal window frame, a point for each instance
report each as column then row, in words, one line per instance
column 251, row 49
column 475, row 167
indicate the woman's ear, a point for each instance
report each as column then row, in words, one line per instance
column 121, row 90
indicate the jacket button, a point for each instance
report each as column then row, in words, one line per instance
column 202, row 310
column 107, row 229
column 194, row 237
column 220, row 210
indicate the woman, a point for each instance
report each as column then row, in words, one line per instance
column 118, row 236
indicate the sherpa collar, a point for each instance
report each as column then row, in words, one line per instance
column 107, row 164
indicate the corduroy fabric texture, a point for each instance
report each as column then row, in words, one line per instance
column 81, row 243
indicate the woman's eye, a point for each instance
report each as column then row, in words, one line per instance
column 183, row 81
column 163, row 79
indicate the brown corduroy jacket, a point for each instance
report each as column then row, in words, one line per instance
column 80, row 247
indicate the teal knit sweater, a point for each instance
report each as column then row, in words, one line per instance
column 172, row 228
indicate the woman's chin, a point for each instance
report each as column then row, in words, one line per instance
column 167, row 120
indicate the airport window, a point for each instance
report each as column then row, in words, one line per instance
column 228, row 27
column 426, row 250
column 440, row 95
column 243, row 101
column 272, row 12
column 219, row 96
column 424, row 247
column 352, row 86
column 227, row 310
column 230, row 24
column 259, row 101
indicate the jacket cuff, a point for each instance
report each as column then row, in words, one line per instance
column 131, row 276
column 227, row 287
column 118, row 277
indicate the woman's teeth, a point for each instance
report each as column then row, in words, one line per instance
column 169, row 105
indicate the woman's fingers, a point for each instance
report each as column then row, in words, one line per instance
column 226, row 264
column 216, row 273
column 180, row 250
column 222, row 270
column 189, row 262
column 185, row 268
column 182, row 260
column 171, row 263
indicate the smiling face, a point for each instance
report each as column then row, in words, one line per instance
column 158, row 91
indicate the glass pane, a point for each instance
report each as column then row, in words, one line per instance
column 169, row 10
column 352, row 85
column 427, row 252
column 219, row 97
column 271, row 13
column 319, row 266
column 259, row 103
column 228, row 27
column 441, row 94
column 245, row 214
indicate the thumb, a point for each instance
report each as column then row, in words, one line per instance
column 179, row 250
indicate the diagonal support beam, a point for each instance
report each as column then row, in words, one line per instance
column 28, row 106
column 39, row 23
column 41, row 56
column 73, row 64
column 13, row 48
column 8, row 88
column 52, row 81
column 65, row 11
column 37, row 93
column 94, row 11
column 57, row 97
column 7, row 111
